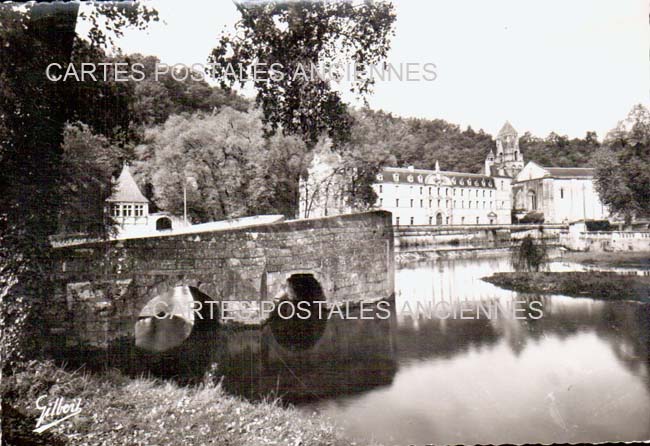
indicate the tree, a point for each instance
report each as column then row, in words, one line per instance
column 529, row 255
column 33, row 112
column 623, row 166
column 365, row 154
column 559, row 150
column 294, row 37
column 160, row 95
column 274, row 186
column 229, row 167
column 88, row 163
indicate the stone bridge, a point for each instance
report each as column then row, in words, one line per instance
column 101, row 288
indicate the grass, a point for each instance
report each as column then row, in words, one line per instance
column 597, row 285
column 118, row 410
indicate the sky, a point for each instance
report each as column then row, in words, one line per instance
column 544, row 65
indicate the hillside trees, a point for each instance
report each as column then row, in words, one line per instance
column 560, row 151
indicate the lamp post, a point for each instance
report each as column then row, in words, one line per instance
column 185, row 180
column 185, row 201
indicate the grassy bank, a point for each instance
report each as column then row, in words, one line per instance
column 117, row 410
column 597, row 285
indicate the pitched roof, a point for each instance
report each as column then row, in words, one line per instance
column 126, row 190
column 411, row 176
column 570, row 172
column 507, row 129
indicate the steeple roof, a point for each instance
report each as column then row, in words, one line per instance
column 126, row 189
column 507, row 129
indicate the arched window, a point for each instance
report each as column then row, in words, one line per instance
column 438, row 219
column 532, row 200
column 163, row 224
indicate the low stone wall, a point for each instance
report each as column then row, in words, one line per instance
column 607, row 241
column 102, row 287
column 446, row 238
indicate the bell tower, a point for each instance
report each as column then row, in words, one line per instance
column 508, row 160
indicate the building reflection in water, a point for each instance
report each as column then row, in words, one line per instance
column 580, row 373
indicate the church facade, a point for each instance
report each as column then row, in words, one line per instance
column 556, row 195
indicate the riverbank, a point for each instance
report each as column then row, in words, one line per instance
column 609, row 259
column 597, row 285
column 119, row 410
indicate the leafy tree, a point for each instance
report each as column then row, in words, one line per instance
column 160, row 95
column 274, row 186
column 623, row 166
column 301, row 35
column 88, row 163
column 224, row 161
column 33, row 112
column 365, row 154
column 529, row 255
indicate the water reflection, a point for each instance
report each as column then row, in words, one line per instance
column 350, row 357
column 580, row 373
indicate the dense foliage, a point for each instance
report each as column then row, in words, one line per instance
column 224, row 162
column 33, row 113
column 559, row 151
column 529, row 255
column 294, row 37
column 623, row 167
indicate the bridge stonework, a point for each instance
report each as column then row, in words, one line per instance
column 100, row 288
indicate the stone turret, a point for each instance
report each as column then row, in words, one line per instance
column 508, row 160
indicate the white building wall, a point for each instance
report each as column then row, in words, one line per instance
column 503, row 199
column 420, row 204
column 571, row 200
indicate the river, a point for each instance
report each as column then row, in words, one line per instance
column 580, row 373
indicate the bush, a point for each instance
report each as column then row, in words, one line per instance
column 532, row 218
column 598, row 225
column 529, row 255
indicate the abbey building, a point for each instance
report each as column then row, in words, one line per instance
column 507, row 191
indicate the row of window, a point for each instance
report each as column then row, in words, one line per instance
column 445, row 191
column 462, row 181
column 438, row 220
column 127, row 210
column 448, row 204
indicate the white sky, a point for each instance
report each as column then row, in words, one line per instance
column 545, row 65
